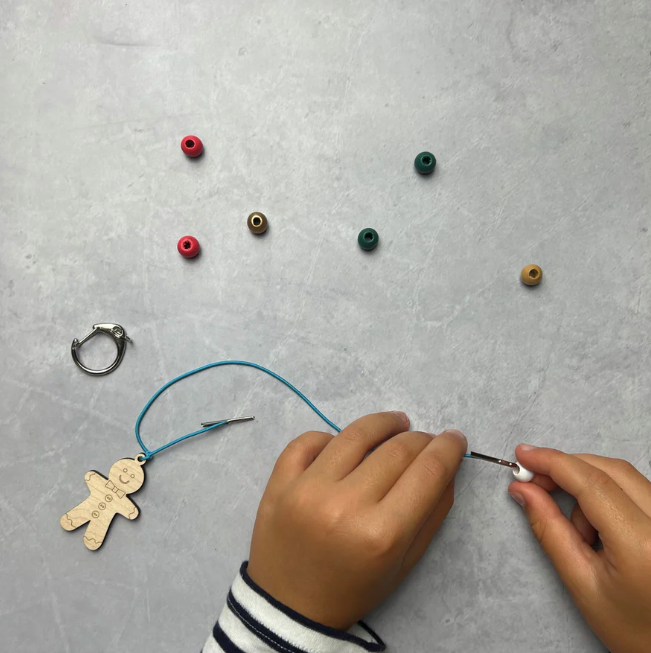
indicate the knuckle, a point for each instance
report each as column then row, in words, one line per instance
column 299, row 443
column 539, row 528
column 379, row 542
column 293, row 447
column 331, row 513
column 556, row 457
column 623, row 466
column 354, row 434
column 436, row 466
column 299, row 503
column 318, row 435
column 306, row 505
column 302, row 443
column 597, row 481
column 420, row 437
column 399, row 450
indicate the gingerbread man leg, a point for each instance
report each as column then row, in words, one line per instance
column 95, row 533
column 76, row 517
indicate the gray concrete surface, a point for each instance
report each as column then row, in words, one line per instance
column 313, row 112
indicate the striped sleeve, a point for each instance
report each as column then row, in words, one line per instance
column 252, row 621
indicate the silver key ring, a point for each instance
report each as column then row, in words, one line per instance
column 120, row 338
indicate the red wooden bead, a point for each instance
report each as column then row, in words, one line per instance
column 188, row 246
column 192, row 146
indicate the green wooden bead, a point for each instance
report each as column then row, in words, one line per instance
column 425, row 163
column 368, row 239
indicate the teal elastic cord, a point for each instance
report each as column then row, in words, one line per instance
column 148, row 453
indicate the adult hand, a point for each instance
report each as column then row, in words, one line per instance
column 337, row 529
column 612, row 586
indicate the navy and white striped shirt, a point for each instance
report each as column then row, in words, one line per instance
column 252, row 621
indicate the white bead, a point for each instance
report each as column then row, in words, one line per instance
column 523, row 474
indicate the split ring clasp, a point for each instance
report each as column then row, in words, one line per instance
column 120, row 338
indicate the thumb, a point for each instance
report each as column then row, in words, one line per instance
column 563, row 544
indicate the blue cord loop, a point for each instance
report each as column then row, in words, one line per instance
column 149, row 454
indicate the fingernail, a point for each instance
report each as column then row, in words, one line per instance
column 457, row 434
column 401, row 415
column 527, row 447
column 517, row 497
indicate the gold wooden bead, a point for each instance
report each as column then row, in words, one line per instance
column 531, row 275
column 257, row 223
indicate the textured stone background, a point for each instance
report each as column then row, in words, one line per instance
column 312, row 112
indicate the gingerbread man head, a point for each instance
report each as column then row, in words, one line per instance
column 127, row 475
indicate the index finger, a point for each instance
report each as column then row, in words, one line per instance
column 633, row 482
column 417, row 492
column 608, row 508
column 348, row 448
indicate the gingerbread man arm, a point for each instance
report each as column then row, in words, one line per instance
column 94, row 480
column 126, row 508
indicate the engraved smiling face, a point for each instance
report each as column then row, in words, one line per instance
column 127, row 475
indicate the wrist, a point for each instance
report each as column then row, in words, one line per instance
column 262, row 611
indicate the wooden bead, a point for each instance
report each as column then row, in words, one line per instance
column 425, row 163
column 188, row 246
column 257, row 223
column 531, row 275
column 192, row 146
column 368, row 239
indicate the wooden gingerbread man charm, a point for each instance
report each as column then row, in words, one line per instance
column 107, row 497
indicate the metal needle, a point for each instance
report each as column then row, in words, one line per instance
column 490, row 459
column 227, row 421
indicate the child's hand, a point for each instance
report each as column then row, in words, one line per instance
column 611, row 587
column 337, row 532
